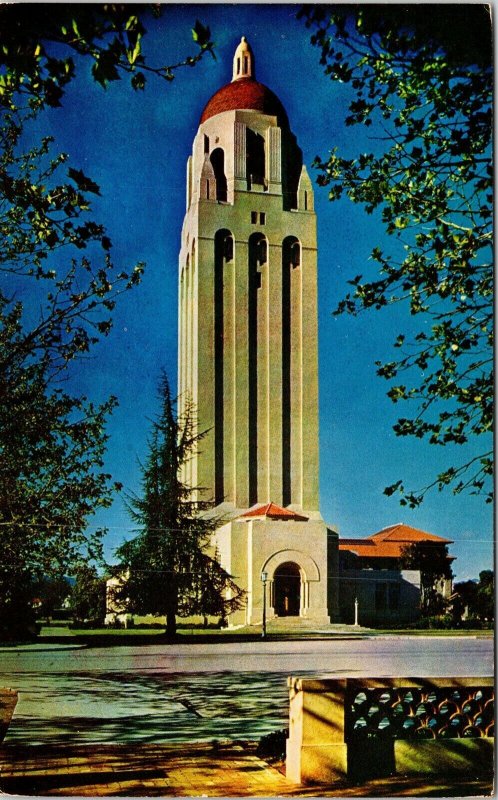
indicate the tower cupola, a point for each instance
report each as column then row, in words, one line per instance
column 243, row 61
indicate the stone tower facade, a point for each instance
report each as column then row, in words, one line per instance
column 248, row 350
column 248, row 301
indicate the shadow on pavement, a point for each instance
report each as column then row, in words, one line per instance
column 224, row 770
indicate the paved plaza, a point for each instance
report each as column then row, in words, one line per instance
column 183, row 720
column 183, row 693
column 229, row 770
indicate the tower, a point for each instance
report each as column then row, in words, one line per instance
column 248, row 305
column 248, row 349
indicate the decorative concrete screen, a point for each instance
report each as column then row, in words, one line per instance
column 412, row 713
column 367, row 728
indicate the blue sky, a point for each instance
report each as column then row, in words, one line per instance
column 135, row 145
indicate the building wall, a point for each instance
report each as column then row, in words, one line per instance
column 251, row 547
column 384, row 596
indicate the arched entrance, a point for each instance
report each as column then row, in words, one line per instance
column 287, row 590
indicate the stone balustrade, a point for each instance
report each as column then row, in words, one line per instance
column 363, row 728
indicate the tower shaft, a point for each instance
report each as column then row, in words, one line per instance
column 248, row 304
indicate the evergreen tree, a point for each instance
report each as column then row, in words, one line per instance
column 54, row 303
column 168, row 569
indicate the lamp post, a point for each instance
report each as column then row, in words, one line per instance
column 264, row 578
column 356, row 612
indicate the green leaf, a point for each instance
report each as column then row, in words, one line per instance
column 201, row 34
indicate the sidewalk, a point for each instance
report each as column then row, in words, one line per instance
column 227, row 770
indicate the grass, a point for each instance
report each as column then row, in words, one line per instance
column 434, row 632
column 109, row 637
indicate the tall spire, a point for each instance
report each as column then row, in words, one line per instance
column 243, row 61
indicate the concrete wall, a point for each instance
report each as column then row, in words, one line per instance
column 320, row 750
column 249, row 547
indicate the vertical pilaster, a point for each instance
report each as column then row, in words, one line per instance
column 274, row 149
column 239, row 145
column 309, row 373
column 194, row 353
column 188, row 353
column 181, row 353
column 204, row 365
column 189, row 182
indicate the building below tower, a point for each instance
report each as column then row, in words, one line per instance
column 294, row 555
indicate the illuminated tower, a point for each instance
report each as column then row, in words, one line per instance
column 248, row 351
column 248, row 300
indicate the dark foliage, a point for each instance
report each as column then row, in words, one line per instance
column 58, row 289
column 423, row 74
column 169, row 568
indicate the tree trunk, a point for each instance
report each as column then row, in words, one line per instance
column 172, row 608
column 170, row 625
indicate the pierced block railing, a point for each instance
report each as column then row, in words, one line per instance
column 419, row 713
column 361, row 728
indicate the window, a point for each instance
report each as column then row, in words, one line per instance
column 255, row 144
column 295, row 254
column 380, row 596
column 258, row 280
column 261, row 251
column 228, row 248
column 206, row 143
column 218, row 162
column 262, row 218
column 387, row 596
column 254, row 217
column 393, row 596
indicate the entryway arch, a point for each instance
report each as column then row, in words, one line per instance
column 287, row 590
column 290, row 573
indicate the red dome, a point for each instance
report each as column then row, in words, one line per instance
column 245, row 93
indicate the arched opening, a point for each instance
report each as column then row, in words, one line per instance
column 255, row 158
column 291, row 257
column 218, row 162
column 223, row 255
column 291, row 176
column 287, row 590
column 258, row 255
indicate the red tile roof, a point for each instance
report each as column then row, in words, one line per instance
column 245, row 93
column 390, row 541
column 273, row 512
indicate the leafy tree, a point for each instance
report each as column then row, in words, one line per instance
column 463, row 598
column 58, row 288
column 51, row 593
column 434, row 564
column 477, row 596
column 423, row 75
column 40, row 44
column 167, row 568
column 485, row 595
column 88, row 595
